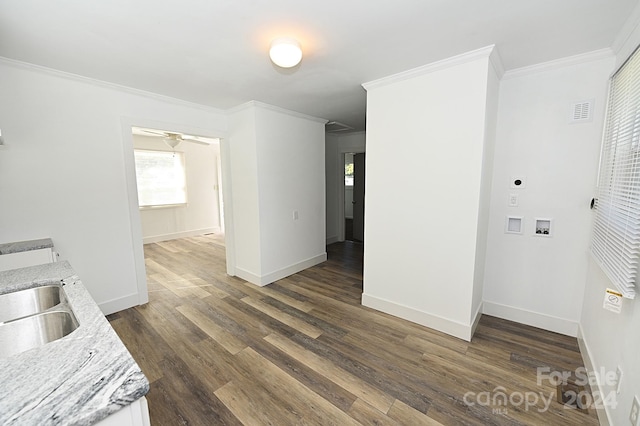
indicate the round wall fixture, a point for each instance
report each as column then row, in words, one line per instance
column 285, row 52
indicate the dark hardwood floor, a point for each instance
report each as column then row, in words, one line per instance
column 218, row 350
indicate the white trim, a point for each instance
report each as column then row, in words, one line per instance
column 88, row 80
column 280, row 273
column 589, row 363
column 247, row 276
column 445, row 325
column 628, row 28
column 127, row 124
column 184, row 234
column 121, row 303
column 496, row 61
column 535, row 319
column 582, row 58
column 476, row 318
column 227, row 207
column 463, row 58
column 134, row 214
column 258, row 104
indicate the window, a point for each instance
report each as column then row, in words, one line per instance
column 616, row 235
column 161, row 178
column 348, row 169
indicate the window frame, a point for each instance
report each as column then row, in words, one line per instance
column 182, row 162
column 616, row 230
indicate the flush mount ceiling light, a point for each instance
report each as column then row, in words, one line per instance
column 285, row 52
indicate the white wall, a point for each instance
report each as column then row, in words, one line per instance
column 336, row 146
column 290, row 179
column 243, row 200
column 278, row 157
column 531, row 279
column 63, row 172
column 484, row 202
column 433, row 123
column 609, row 340
column 201, row 214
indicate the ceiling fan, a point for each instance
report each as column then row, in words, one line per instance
column 173, row 139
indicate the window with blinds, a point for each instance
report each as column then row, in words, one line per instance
column 616, row 235
column 161, row 178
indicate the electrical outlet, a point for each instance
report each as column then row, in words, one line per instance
column 295, row 215
column 635, row 412
column 513, row 200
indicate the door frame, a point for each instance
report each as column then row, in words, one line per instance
column 343, row 151
column 127, row 123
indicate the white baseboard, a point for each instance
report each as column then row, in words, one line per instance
column 119, row 304
column 262, row 280
column 476, row 319
column 445, row 325
column 248, row 276
column 331, row 240
column 535, row 319
column 589, row 364
column 175, row 235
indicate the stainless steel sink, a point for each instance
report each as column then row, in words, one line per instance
column 36, row 330
column 30, row 301
column 34, row 317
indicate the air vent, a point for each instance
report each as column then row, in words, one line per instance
column 336, row 127
column 581, row 112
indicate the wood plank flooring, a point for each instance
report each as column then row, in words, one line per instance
column 218, row 350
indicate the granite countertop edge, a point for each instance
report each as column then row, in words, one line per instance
column 79, row 379
column 21, row 246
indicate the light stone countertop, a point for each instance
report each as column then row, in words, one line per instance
column 78, row 379
column 20, row 246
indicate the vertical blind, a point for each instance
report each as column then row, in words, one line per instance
column 616, row 235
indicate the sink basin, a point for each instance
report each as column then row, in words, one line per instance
column 34, row 331
column 30, row 301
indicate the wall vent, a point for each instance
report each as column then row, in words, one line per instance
column 336, row 127
column 581, row 112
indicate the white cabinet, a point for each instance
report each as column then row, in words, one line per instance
column 135, row 414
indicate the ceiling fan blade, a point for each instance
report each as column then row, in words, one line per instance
column 154, row 133
column 193, row 139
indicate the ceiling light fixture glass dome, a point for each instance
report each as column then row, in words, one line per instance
column 285, row 52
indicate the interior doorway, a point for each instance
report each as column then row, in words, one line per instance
column 354, row 178
column 173, row 140
column 178, row 184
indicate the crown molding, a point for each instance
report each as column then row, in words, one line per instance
column 629, row 27
column 582, row 58
column 258, row 104
column 496, row 61
column 105, row 84
column 464, row 58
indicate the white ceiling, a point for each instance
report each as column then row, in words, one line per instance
column 214, row 52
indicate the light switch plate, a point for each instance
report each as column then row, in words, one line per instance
column 513, row 200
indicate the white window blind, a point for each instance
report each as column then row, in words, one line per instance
column 616, row 236
column 161, row 178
